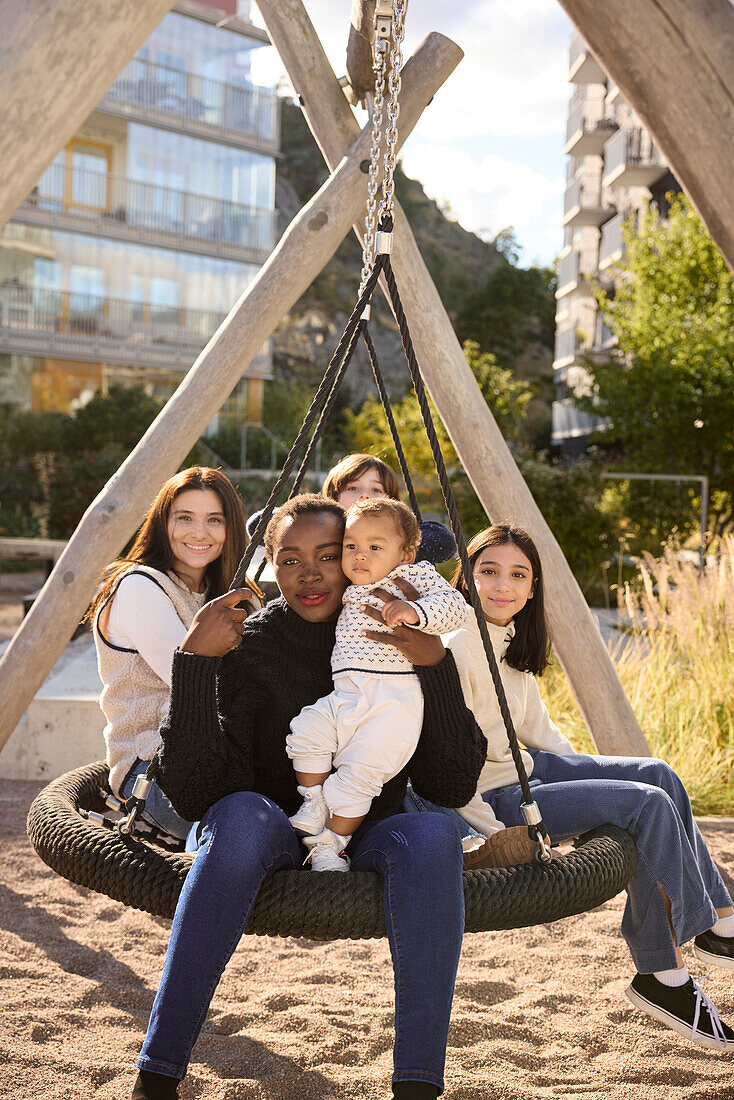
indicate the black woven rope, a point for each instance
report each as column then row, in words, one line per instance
column 325, row 412
column 325, row 906
column 305, row 462
column 381, row 389
column 451, row 508
column 317, row 404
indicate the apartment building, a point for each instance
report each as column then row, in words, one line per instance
column 613, row 168
column 147, row 227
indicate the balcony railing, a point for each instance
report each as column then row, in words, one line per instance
column 583, row 68
column 569, row 422
column 61, row 323
column 583, row 203
column 631, row 159
column 113, row 206
column 148, row 91
column 574, row 268
column 588, row 129
column 611, row 246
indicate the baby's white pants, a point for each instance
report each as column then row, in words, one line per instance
column 367, row 729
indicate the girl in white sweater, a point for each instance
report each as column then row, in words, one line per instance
column 676, row 893
column 185, row 553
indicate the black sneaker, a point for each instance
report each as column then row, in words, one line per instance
column 155, row 1086
column 685, row 1008
column 718, row 950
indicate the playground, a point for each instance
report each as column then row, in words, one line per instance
column 307, row 1006
column 537, row 1011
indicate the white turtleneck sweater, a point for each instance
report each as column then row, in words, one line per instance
column 530, row 716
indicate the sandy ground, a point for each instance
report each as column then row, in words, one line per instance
column 538, row 1013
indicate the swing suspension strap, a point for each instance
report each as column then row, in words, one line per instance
column 380, row 383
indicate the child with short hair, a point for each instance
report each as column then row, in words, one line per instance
column 369, row 726
column 362, row 476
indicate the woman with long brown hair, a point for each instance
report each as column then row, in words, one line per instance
column 185, row 553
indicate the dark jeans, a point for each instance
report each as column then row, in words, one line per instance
column 419, row 857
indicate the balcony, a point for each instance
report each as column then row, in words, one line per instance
column 583, row 203
column 574, row 270
column 613, row 92
column 583, row 68
column 113, row 206
column 191, row 104
column 568, row 422
column 587, row 129
column 67, row 325
column 611, row 245
column 631, row 159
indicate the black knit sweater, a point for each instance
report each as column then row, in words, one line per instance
column 229, row 718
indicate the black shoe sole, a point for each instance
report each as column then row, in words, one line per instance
column 673, row 1022
column 710, row 957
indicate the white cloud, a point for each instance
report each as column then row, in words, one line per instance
column 511, row 82
column 513, row 78
column 489, row 193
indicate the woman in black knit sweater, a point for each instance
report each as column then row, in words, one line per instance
column 237, row 683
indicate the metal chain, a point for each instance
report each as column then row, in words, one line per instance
column 393, row 109
column 370, row 221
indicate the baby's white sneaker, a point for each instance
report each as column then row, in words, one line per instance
column 326, row 851
column 313, row 814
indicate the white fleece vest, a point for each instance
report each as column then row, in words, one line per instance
column 134, row 699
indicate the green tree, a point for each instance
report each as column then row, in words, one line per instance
column 667, row 393
column 507, row 397
column 511, row 308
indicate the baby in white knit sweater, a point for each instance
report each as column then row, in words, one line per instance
column 367, row 729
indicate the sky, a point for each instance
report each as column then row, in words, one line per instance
column 489, row 148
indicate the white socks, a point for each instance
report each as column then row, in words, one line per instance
column 724, row 926
column 673, row 978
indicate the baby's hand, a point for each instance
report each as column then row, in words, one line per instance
column 399, row 613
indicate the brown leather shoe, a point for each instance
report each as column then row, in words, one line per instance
column 505, row 848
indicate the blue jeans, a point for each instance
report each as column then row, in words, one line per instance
column 646, row 797
column 414, row 803
column 158, row 810
column 419, row 857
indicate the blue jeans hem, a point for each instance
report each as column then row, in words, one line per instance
column 160, row 1067
column 418, row 1075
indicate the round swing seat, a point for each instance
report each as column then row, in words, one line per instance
column 324, row 906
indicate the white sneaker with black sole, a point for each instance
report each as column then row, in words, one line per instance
column 711, row 948
column 684, row 1008
column 326, row 851
column 313, row 814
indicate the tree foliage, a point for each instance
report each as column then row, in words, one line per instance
column 668, row 391
column 507, row 397
column 511, row 308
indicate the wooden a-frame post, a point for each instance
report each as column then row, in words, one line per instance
column 306, row 246
column 57, row 59
column 674, row 62
column 468, row 420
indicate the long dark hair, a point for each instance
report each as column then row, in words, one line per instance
column 528, row 650
column 152, row 546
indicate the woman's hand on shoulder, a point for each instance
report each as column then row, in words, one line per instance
column 419, row 648
column 218, row 625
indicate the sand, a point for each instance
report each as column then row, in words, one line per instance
column 538, row 1013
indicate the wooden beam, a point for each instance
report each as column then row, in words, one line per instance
column 307, row 245
column 469, row 422
column 57, row 59
column 674, row 62
column 360, row 51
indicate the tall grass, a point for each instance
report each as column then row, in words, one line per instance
column 676, row 662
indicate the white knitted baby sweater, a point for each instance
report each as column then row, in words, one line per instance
column 440, row 609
